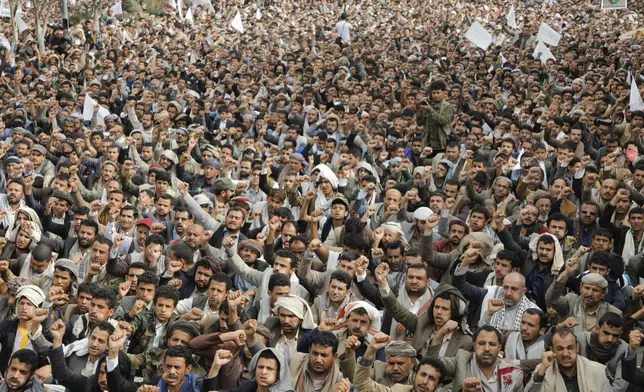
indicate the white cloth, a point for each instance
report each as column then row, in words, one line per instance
column 629, row 249
column 343, row 29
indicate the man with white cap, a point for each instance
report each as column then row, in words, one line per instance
column 414, row 230
column 14, row 334
column 580, row 311
column 294, row 319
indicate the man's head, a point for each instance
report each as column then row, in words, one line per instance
column 401, row 357
column 102, row 306
column 565, row 346
column 267, row 369
column 588, row 213
column 65, row 274
column 533, row 324
column 359, row 322
column 250, row 251
column 98, row 339
column 429, row 375
column 180, row 251
column 181, row 333
column 395, row 254
column 636, row 219
column 84, row 296
column 183, row 223
column 20, row 372
column 479, row 217
column 177, row 363
column 506, row 261
column 558, row 225
column 40, row 258
column 457, row 231
column 602, row 240
column 599, row 263
column 218, row 287
column 609, row 330
column 146, row 286
column 165, row 301
column 28, row 298
column 513, row 289
column 87, row 233
column 204, row 268
column 487, row 344
column 545, row 249
column 279, row 285
column 417, row 279
column 339, row 286
column 100, row 251
column 323, row 352
column 285, row 262
column 593, row 289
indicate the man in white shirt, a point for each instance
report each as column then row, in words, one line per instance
column 343, row 29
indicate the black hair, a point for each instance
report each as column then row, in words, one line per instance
column 355, row 241
column 611, row 319
column 147, row 277
column 510, row 256
column 155, row 239
column 104, row 326
column 434, row 362
column 41, row 252
column 395, row 245
column 182, row 251
column 167, row 292
column 26, row 356
column 481, row 210
column 543, row 318
column 107, row 295
column 325, row 339
column 636, row 210
column 183, row 208
column 179, row 352
column 488, row 328
column 86, row 288
column 221, row 278
column 420, row 266
column 546, row 239
column 206, row 263
column 278, row 279
column 287, row 254
column 561, row 218
column 90, row 223
column 341, row 277
column 104, row 241
column 268, row 354
column 438, row 85
column 349, row 255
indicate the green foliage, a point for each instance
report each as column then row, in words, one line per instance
column 79, row 17
column 155, row 7
column 132, row 7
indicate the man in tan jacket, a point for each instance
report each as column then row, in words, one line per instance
column 428, row 374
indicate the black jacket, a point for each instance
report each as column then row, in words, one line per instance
column 77, row 382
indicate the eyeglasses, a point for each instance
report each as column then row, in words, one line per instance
column 588, row 213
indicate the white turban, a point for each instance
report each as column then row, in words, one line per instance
column 32, row 292
column 373, row 313
column 396, row 228
column 298, row 307
column 422, row 213
column 326, row 172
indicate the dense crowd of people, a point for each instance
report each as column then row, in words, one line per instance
column 347, row 196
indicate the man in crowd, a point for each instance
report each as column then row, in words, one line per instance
column 448, row 191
